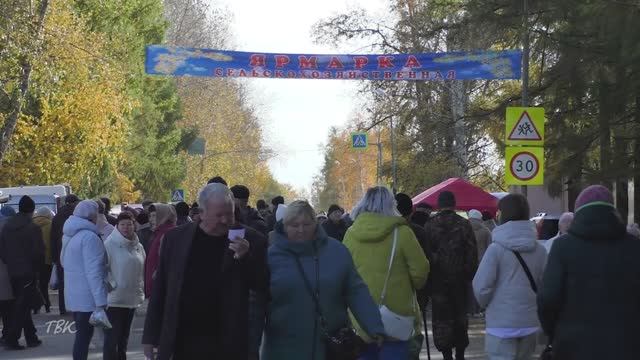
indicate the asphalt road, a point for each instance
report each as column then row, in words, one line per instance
column 57, row 344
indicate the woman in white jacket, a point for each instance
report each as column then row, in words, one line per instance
column 126, row 279
column 83, row 260
column 502, row 285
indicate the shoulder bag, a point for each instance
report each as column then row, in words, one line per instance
column 396, row 326
column 342, row 344
column 547, row 353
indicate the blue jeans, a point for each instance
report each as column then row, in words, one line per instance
column 84, row 333
column 390, row 350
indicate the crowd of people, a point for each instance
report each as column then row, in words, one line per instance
column 224, row 280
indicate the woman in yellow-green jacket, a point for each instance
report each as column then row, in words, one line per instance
column 370, row 240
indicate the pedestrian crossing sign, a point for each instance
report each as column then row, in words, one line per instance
column 177, row 195
column 359, row 141
column 525, row 126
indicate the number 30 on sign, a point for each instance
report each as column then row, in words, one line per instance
column 524, row 165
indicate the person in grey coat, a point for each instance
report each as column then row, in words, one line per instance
column 483, row 240
column 501, row 284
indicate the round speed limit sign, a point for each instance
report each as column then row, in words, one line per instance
column 524, row 166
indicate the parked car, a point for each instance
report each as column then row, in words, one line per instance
column 547, row 225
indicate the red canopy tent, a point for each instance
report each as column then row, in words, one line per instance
column 468, row 196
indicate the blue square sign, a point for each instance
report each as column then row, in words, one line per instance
column 359, row 140
column 177, row 195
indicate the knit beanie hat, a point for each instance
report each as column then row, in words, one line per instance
column 333, row 208
column 26, row 205
column 594, row 195
column 86, row 209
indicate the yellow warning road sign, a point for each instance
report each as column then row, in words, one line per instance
column 524, row 165
column 525, row 126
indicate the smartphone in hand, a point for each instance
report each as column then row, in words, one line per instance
column 236, row 233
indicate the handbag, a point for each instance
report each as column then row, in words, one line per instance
column 396, row 326
column 54, row 284
column 342, row 344
column 547, row 353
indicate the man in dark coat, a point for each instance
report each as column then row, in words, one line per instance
column 144, row 232
column 422, row 214
column 107, row 209
column 57, row 223
column 182, row 212
column 271, row 220
column 22, row 250
column 248, row 215
column 405, row 207
column 335, row 226
column 589, row 302
column 264, row 212
column 453, row 265
column 200, row 301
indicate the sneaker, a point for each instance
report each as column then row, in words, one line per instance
column 34, row 343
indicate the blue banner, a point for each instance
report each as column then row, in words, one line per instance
column 176, row 61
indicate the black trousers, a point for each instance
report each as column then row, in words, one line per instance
column 43, row 282
column 21, row 314
column 116, row 339
column 60, row 271
column 6, row 308
column 192, row 346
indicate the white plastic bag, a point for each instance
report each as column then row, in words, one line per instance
column 53, row 280
column 100, row 319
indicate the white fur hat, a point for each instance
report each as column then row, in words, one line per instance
column 475, row 214
column 282, row 208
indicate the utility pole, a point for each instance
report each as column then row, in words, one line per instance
column 394, row 168
column 379, row 160
column 525, row 64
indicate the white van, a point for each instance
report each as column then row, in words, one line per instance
column 51, row 196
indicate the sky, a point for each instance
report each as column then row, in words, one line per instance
column 297, row 114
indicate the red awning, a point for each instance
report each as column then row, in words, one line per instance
column 468, row 196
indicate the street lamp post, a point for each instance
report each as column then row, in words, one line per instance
column 394, row 175
column 379, row 160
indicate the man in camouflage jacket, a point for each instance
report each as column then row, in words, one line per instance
column 455, row 260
